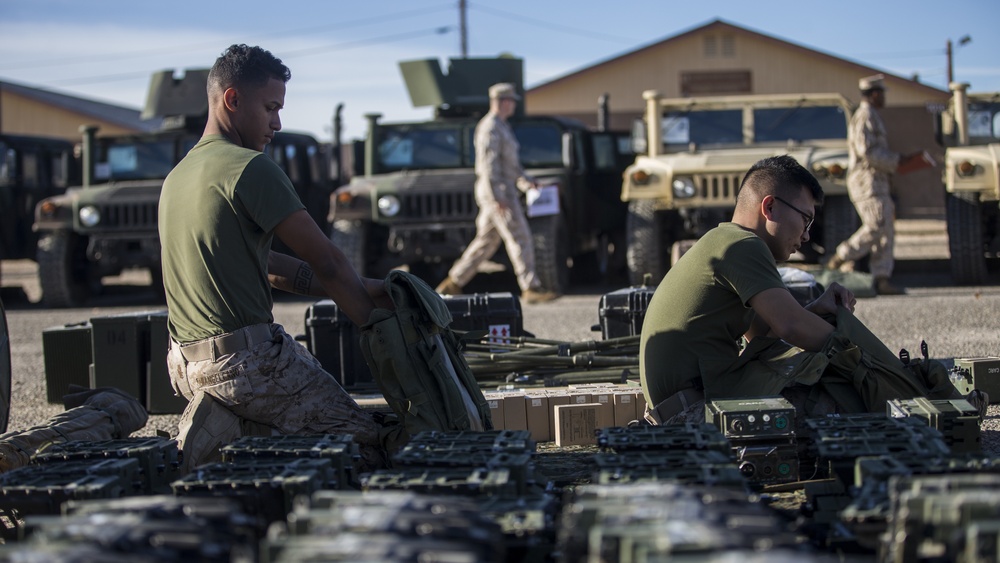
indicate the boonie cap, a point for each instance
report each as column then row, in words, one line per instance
column 503, row 90
column 875, row 82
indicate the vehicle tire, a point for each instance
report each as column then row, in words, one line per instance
column 840, row 221
column 5, row 372
column 64, row 271
column 548, row 236
column 966, row 242
column 648, row 247
column 350, row 237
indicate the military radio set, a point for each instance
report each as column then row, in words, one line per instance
column 761, row 432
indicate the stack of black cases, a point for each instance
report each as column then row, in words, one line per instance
column 334, row 339
column 622, row 311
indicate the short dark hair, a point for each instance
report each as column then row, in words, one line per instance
column 242, row 66
column 779, row 176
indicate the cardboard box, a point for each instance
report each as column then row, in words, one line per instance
column 624, row 407
column 555, row 399
column 577, row 424
column 606, row 399
column 579, row 398
column 536, row 407
column 514, row 412
column 640, row 403
column 495, row 402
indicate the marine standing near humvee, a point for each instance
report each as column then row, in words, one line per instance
column 501, row 218
column 219, row 210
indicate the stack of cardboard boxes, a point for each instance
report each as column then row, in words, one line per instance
column 566, row 415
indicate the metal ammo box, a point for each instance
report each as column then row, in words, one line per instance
column 160, row 396
column 67, row 355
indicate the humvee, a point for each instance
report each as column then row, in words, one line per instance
column 109, row 223
column 970, row 129
column 696, row 153
column 412, row 202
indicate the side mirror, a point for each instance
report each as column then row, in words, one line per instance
column 568, row 152
column 637, row 140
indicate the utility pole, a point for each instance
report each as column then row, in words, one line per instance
column 463, row 30
column 948, row 52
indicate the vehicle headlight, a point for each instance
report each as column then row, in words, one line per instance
column 965, row 168
column 683, row 188
column 90, row 216
column 640, row 177
column 389, row 205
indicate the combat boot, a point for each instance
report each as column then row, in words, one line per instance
column 205, row 427
column 448, row 287
column 538, row 296
column 884, row 287
column 834, row 262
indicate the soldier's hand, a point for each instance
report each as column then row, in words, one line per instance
column 835, row 296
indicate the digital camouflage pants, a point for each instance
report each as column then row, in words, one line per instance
column 280, row 385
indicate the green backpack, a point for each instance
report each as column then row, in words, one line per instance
column 416, row 362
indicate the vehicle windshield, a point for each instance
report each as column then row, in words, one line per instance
column 136, row 158
column 703, row 128
column 541, row 145
column 799, row 124
column 404, row 147
column 984, row 123
column 724, row 127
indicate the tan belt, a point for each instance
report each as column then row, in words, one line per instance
column 672, row 405
column 229, row 343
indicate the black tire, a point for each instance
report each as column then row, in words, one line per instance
column 840, row 221
column 63, row 270
column 648, row 247
column 966, row 241
column 350, row 237
column 548, row 235
column 5, row 371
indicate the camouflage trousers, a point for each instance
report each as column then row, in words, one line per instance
column 493, row 226
column 278, row 384
column 875, row 238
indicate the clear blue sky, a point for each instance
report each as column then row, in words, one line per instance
column 347, row 51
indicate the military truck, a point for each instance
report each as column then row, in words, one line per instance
column 696, row 151
column 31, row 168
column 109, row 223
column 970, row 129
column 412, row 202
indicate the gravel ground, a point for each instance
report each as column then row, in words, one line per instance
column 955, row 322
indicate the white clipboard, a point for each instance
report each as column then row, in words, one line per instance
column 543, row 201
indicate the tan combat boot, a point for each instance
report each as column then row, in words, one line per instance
column 884, row 287
column 538, row 296
column 834, row 262
column 448, row 287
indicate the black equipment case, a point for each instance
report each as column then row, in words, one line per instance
column 497, row 313
column 334, row 340
column 622, row 311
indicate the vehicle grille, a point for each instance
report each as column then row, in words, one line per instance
column 717, row 188
column 127, row 216
column 452, row 206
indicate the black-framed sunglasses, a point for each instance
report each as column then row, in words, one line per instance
column 809, row 218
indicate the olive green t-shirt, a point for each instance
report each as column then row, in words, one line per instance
column 699, row 312
column 218, row 210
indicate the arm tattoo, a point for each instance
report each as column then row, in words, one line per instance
column 303, row 279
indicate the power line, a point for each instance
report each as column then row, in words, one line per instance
column 114, row 56
column 440, row 30
column 550, row 26
column 284, row 55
